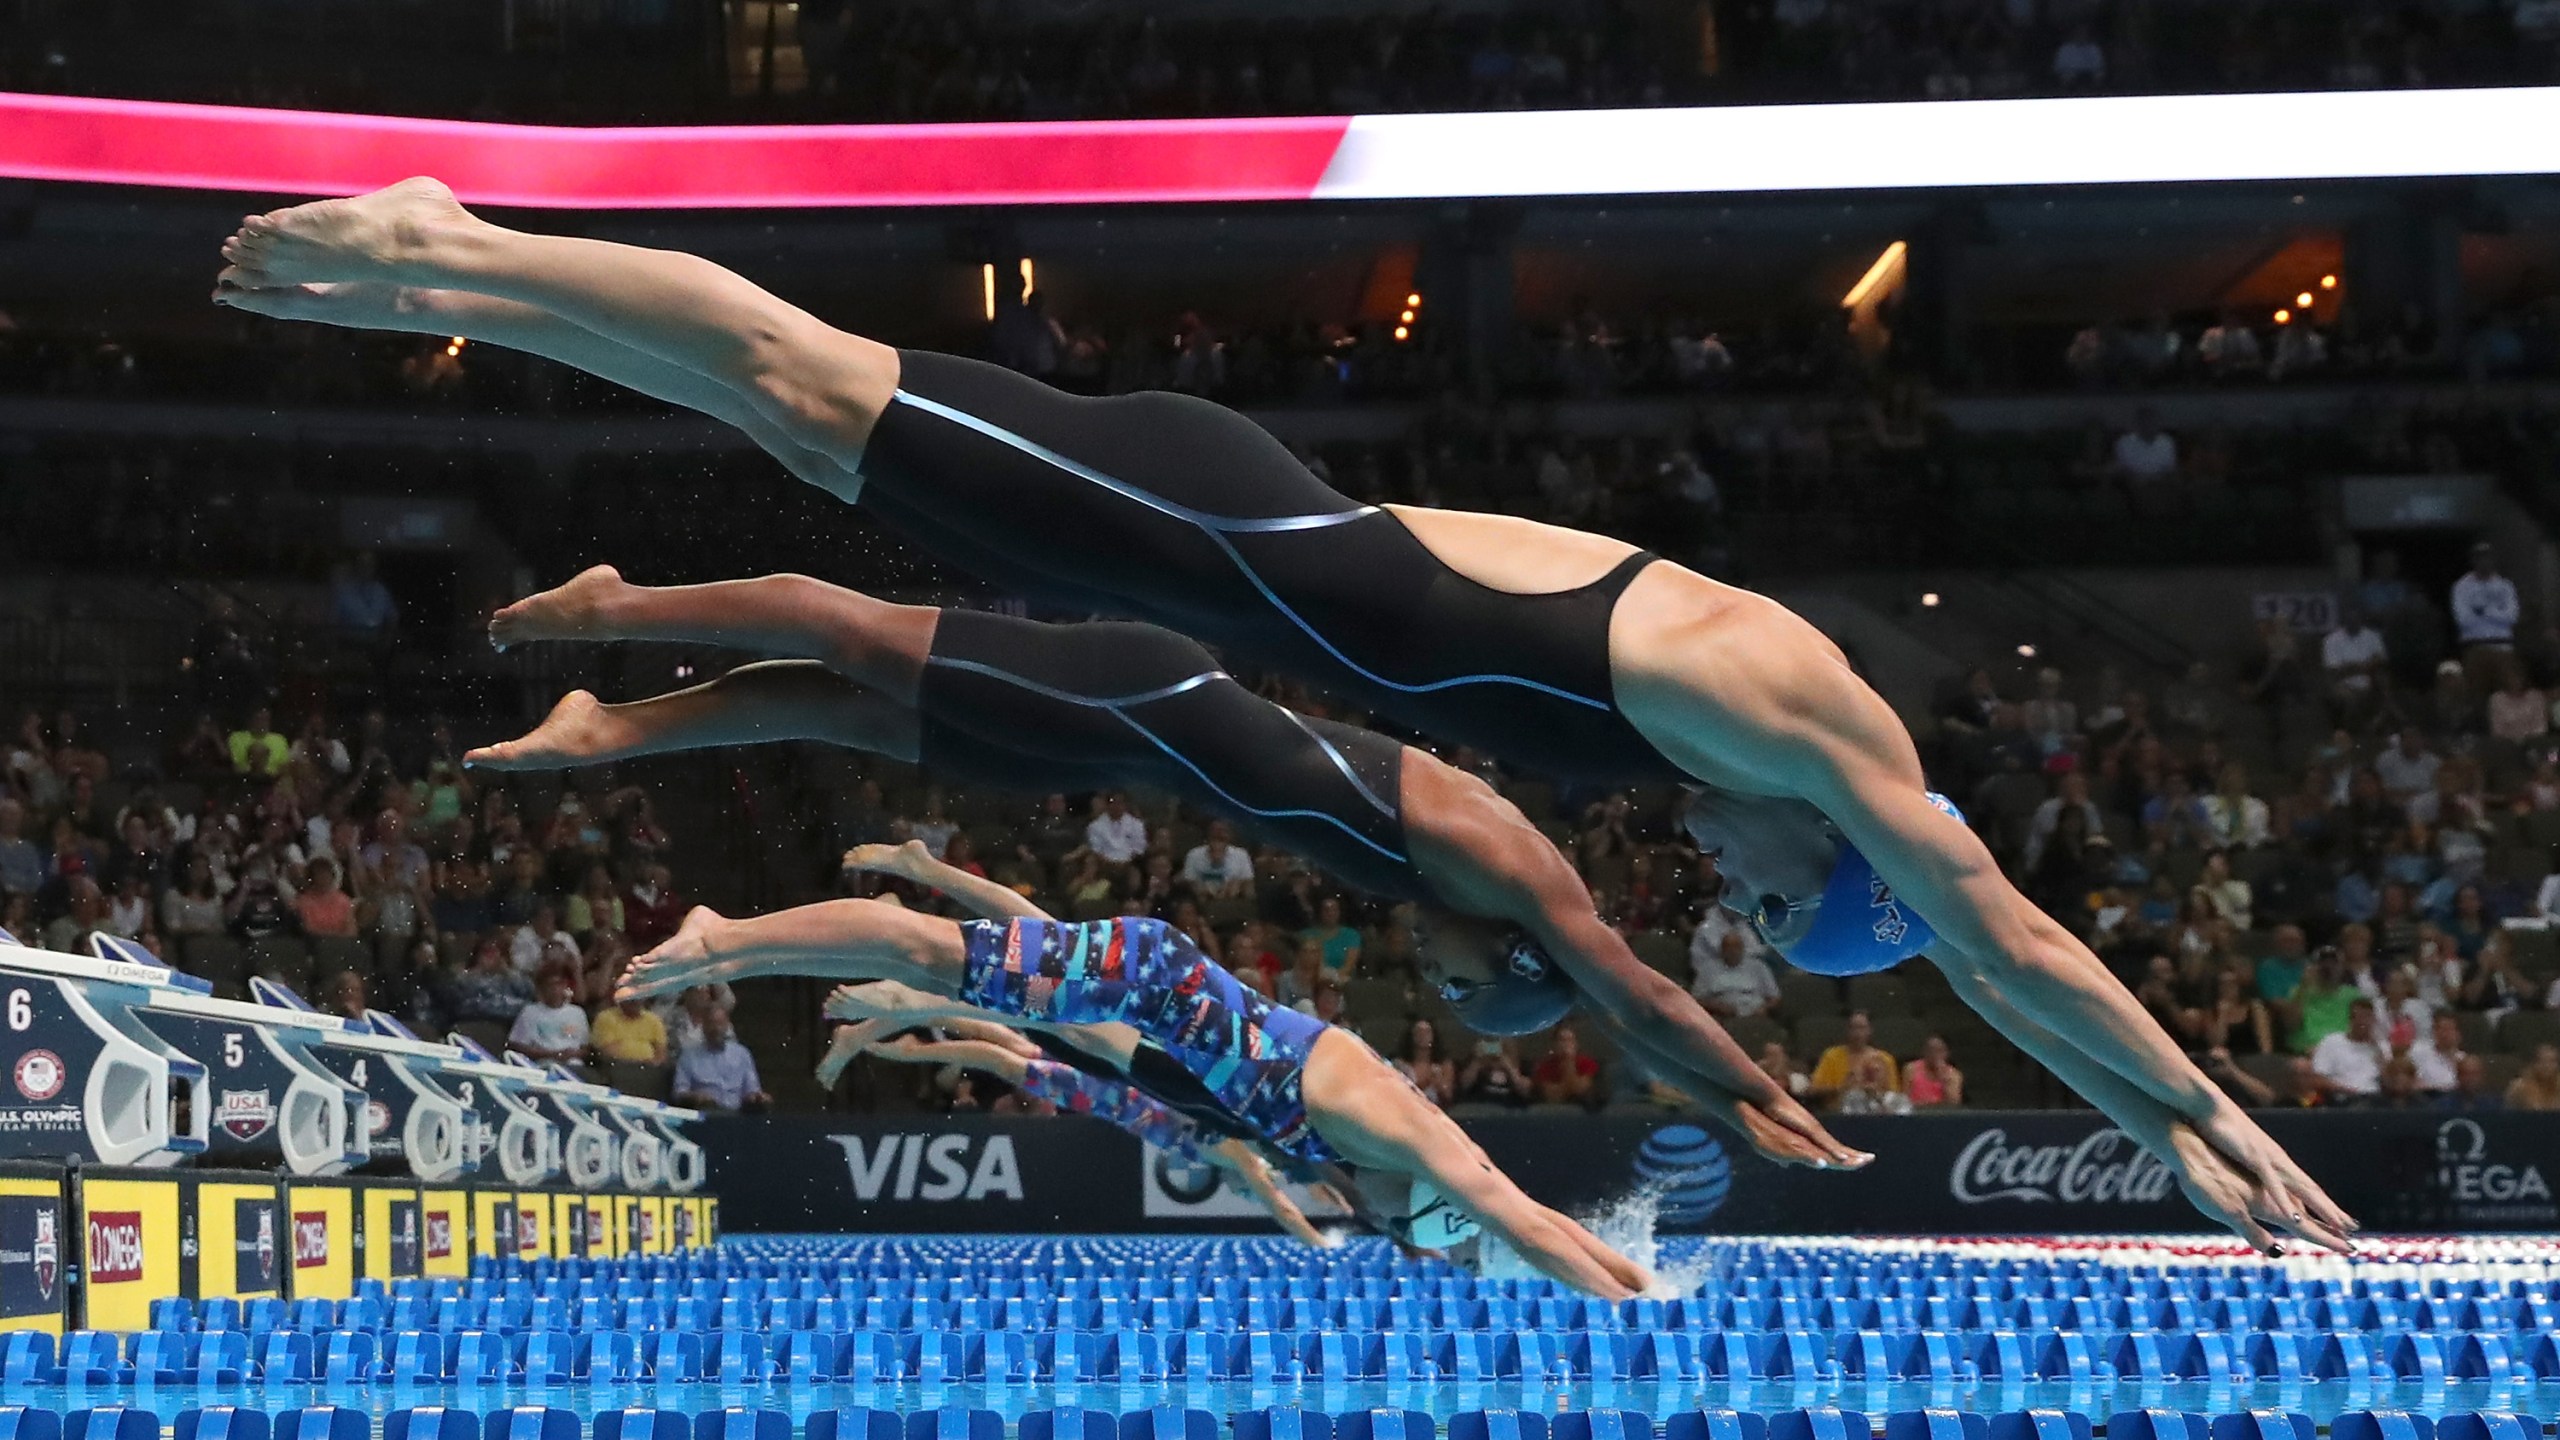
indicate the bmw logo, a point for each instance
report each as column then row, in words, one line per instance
column 1689, row 1168
column 1187, row 1181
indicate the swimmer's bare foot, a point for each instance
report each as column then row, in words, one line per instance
column 571, row 611
column 580, row 730
column 387, row 235
column 682, row 961
column 357, row 305
column 908, row 860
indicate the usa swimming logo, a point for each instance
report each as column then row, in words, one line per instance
column 1689, row 1169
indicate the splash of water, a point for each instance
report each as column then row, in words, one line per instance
column 1631, row 1225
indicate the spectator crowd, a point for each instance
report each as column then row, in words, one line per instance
column 374, row 873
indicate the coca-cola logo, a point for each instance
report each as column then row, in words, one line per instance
column 115, row 1246
column 528, row 1231
column 2105, row 1168
column 439, row 1234
column 310, row 1239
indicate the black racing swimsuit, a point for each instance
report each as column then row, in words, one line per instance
column 1184, row 513
column 1105, row 704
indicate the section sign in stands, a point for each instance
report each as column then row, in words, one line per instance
column 1959, row 1173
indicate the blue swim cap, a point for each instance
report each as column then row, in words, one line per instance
column 1529, row 992
column 1862, row 926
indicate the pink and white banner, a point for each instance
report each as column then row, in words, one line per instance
column 1737, row 149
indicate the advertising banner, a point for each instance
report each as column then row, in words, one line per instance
column 1954, row 1173
column 320, row 1224
column 35, row 1250
column 128, row 1228
column 242, row 1245
column 444, row 1232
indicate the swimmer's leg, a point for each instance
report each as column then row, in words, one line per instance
column 752, row 705
column 823, row 387
column 833, row 940
column 876, row 644
column 535, row 331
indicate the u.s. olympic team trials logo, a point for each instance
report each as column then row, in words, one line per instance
column 1689, row 1169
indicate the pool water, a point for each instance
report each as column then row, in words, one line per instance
column 959, row 1333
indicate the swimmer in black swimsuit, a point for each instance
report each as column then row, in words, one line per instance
column 1040, row 707
column 1567, row 652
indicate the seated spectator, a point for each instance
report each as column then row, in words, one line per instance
column 194, row 905
column 2146, row 453
column 2399, row 1087
column 2407, row 769
column 1493, row 1076
column 490, row 988
column 2440, row 1054
column 2495, row 987
column 260, row 907
column 1738, row 984
column 1933, row 1081
column 1339, row 941
column 717, row 1073
column 2538, row 1088
column 2230, row 896
column 1297, row 988
column 685, row 1014
column 2229, row 350
column 2357, row 662
column 1216, row 868
column 652, row 910
column 596, row 905
column 2517, row 710
column 1116, row 835
column 2471, row 1087
column 129, row 909
column 2351, row 1061
column 1566, row 1076
column 257, row 749
column 2320, row 1007
column 347, row 998
column 1838, row 1064
column 324, row 907
column 1870, row 1089
column 1420, row 1061
column 2235, row 1019
column 553, row 1028
column 629, row 1033
column 21, row 863
column 1780, row 1066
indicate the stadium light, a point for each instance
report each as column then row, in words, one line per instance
column 987, row 273
column 1888, row 265
column 2328, row 282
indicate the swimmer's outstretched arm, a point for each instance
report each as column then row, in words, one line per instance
column 1483, row 857
column 1010, row 1058
column 751, row 705
column 822, row 387
column 980, row 895
column 1815, row 726
column 1368, row 1114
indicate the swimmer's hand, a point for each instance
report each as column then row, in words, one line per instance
column 2281, row 1196
column 1803, row 1142
column 2215, row 1186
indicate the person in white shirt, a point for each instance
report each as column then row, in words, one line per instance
column 1738, row 984
column 1116, row 835
column 2407, row 769
column 2146, row 452
column 1216, row 867
column 553, row 1028
column 2439, row 1055
column 2351, row 1060
column 2354, row 656
column 2485, row 611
